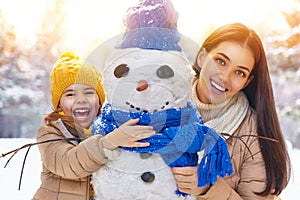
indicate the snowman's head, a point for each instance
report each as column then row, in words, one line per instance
column 147, row 80
column 148, row 69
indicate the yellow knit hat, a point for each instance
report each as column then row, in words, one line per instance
column 68, row 70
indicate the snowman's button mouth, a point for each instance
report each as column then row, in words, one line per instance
column 148, row 177
column 139, row 109
column 145, row 155
column 135, row 107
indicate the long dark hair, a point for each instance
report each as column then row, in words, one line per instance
column 260, row 96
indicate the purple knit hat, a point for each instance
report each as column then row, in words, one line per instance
column 152, row 24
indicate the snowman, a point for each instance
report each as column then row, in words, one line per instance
column 147, row 76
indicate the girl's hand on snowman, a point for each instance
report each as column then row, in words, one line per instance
column 187, row 180
column 128, row 135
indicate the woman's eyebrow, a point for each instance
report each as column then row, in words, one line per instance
column 245, row 68
column 224, row 55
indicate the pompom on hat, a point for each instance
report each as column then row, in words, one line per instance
column 152, row 24
column 70, row 69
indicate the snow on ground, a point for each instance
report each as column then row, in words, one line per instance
column 9, row 176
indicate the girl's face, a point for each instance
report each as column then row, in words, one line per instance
column 81, row 102
column 224, row 72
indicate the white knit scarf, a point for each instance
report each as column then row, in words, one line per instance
column 224, row 117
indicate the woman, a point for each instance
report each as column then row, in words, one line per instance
column 233, row 92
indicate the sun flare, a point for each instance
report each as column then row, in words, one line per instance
column 92, row 21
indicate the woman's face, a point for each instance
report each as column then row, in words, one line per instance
column 81, row 102
column 224, row 72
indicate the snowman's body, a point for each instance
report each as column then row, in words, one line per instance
column 121, row 179
column 137, row 80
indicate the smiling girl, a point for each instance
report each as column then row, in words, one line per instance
column 77, row 96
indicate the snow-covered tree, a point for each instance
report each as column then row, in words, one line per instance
column 24, row 74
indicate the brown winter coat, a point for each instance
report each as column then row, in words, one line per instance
column 67, row 166
column 248, row 172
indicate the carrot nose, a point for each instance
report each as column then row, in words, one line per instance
column 143, row 85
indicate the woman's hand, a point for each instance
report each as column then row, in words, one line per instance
column 128, row 135
column 187, row 180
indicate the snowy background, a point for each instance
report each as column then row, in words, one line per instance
column 10, row 175
column 31, row 40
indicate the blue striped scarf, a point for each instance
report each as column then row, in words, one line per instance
column 180, row 134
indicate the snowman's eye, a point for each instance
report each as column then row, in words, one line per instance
column 121, row 71
column 164, row 71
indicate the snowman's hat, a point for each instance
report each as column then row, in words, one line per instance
column 151, row 24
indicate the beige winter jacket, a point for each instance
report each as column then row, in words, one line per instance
column 249, row 169
column 67, row 166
